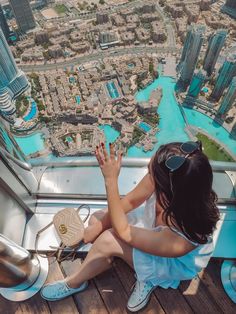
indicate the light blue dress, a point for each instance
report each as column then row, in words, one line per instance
column 168, row 271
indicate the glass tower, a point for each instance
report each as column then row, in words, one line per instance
column 3, row 24
column 229, row 98
column 12, row 80
column 226, row 73
column 191, row 50
column 23, row 14
column 229, row 8
column 231, row 3
column 216, row 42
column 196, row 84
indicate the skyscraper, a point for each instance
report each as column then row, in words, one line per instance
column 191, row 50
column 216, row 42
column 226, row 73
column 196, row 84
column 229, row 8
column 13, row 81
column 23, row 14
column 229, row 98
column 230, row 3
column 3, row 24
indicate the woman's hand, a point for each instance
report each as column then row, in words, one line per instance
column 110, row 165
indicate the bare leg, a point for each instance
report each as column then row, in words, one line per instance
column 100, row 257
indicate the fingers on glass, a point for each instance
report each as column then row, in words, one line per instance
column 112, row 151
column 99, row 156
column 119, row 158
column 104, row 151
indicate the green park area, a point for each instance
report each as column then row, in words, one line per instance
column 60, row 8
column 213, row 150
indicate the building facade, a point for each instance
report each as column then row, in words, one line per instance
column 229, row 8
column 229, row 99
column 226, row 73
column 23, row 14
column 3, row 24
column 196, row 84
column 216, row 42
column 13, row 81
column 189, row 57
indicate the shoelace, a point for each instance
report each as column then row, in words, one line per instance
column 62, row 289
column 137, row 287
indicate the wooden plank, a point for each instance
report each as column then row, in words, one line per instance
column 88, row 301
column 126, row 275
column 198, row 297
column 178, row 305
column 68, row 305
column 211, row 279
column 112, row 292
column 9, row 307
column 35, row 305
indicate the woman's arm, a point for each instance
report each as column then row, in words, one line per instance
column 132, row 200
column 164, row 243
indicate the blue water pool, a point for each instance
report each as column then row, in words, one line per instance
column 72, row 80
column 69, row 139
column 205, row 123
column 171, row 120
column 78, row 99
column 112, row 90
column 33, row 111
column 172, row 123
column 110, row 133
column 145, row 127
column 205, row 89
column 131, row 65
column 31, row 144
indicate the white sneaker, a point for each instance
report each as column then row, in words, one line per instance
column 140, row 295
column 60, row 290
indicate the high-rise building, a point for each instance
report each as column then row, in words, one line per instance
column 13, row 81
column 102, row 18
column 229, row 8
column 3, row 24
column 226, row 73
column 229, row 98
column 189, row 57
column 216, row 42
column 196, row 84
column 23, row 14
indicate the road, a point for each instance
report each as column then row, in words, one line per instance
column 171, row 44
column 97, row 56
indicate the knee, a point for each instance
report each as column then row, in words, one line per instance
column 106, row 243
column 92, row 220
column 95, row 217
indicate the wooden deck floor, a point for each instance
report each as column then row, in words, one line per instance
column 109, row 292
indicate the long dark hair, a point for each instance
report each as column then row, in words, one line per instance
column 192, row 205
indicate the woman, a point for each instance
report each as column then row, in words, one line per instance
column 176, row 241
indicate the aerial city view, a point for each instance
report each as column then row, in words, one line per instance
column 135, row 73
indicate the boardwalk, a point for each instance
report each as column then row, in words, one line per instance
column 109, row 292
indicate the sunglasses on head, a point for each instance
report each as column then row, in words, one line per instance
column 175, row 162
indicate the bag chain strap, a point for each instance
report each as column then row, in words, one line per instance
column 61, row 247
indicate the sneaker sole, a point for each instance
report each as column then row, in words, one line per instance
column 58, row 299
column 142, row 304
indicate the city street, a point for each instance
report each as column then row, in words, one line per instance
column 98, row 56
